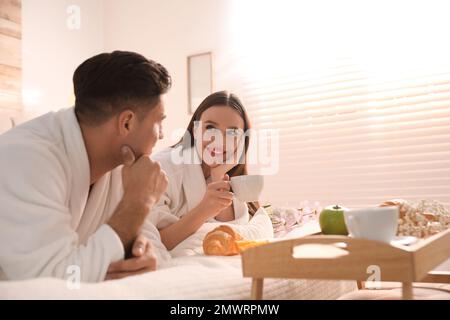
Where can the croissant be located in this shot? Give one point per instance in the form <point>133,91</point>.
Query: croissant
<point>221,242</point>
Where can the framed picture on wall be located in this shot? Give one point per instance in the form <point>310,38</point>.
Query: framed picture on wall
<point>199,70</point>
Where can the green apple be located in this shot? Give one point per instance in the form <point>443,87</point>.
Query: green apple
<point>331,220</point>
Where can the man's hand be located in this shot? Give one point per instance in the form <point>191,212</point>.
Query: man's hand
<point>144,182</point>
<point>143,179</point>
<point>143,260</point>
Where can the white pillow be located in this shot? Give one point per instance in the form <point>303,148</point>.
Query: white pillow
<point>259,227</point>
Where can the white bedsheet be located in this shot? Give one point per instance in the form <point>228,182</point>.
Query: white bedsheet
<point>259,227</point>
<point>196,277</point>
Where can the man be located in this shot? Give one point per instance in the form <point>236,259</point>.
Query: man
<point>76,185</point>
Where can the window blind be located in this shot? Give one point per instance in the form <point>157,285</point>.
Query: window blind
<point>355,137</point>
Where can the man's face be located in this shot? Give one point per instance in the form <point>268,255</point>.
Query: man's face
<point>146,132</point>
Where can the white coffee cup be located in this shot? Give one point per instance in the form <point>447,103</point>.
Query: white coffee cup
<point>378,223</point>
<point>247,188</point>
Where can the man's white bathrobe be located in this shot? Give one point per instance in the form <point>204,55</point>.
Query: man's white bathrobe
<point>49,221</point>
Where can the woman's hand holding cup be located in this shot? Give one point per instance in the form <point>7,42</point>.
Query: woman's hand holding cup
<point>217,197</point>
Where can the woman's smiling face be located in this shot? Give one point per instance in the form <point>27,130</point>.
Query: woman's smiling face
<point>221,131</point>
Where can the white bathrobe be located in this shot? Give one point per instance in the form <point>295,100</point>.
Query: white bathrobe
<point>49,222</point>
<point>186,188</point>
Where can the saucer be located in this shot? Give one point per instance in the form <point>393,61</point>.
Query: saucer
<point>404,240</point>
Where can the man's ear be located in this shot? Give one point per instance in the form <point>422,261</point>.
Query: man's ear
<point>126,122</point>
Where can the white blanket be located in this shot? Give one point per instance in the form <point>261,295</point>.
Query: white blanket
<point>189,275</point>
<point>196,277</point>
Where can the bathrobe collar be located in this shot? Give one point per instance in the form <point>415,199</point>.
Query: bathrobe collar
<point>194,183</point>
<point>89,209</point>
<point>79,163</point>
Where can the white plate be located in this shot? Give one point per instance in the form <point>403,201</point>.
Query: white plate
<point>404,240</point>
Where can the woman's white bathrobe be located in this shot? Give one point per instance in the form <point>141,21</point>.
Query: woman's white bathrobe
<point>186,189</point>
<point>48,219</point>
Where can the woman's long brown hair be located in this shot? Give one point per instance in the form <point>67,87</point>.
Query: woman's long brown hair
<point>222,99</point>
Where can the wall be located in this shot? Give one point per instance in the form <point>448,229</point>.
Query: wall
<point>165,31</point>
<point>169,31</point>
<point>10,55</point>
<point>53,47</point>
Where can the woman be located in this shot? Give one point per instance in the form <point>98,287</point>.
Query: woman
<point>199,167</point>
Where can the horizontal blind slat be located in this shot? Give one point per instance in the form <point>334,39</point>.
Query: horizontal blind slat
<point>352,136</point>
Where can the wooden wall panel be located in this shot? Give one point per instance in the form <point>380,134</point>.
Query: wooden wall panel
<point>10,54</point>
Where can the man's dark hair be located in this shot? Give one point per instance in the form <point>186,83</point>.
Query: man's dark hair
<point>110,83</point>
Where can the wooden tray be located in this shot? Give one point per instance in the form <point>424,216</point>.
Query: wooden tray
<point>344,258</point>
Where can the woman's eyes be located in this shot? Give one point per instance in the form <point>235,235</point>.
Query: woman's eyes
<point>211,128</point>
<point>229,132</point>
<point>232,132</point>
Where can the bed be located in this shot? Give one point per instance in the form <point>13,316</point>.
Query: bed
<point>193,277</point>
<point>188,275</point>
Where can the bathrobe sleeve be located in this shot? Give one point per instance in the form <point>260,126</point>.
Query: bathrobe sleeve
<point>161,215</point>
<point>151,232</point>
<point>36,237</point>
